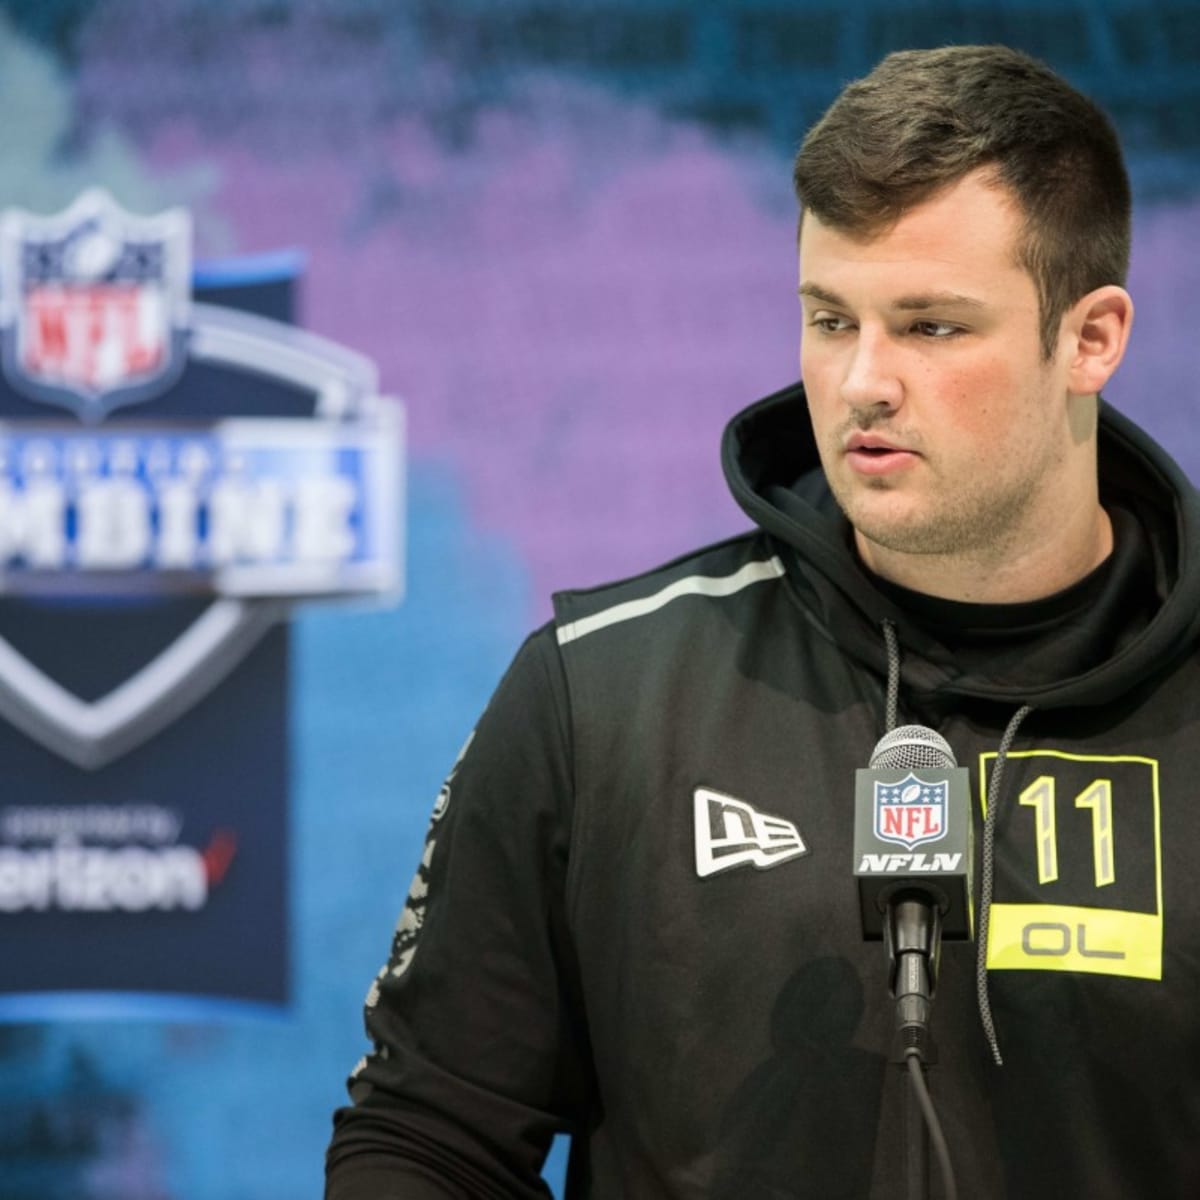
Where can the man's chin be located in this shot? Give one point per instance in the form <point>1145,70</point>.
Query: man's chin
<point>887,517</point>
<point>899,536</point>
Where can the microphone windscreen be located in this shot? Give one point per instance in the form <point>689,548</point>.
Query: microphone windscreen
<point>911,748</point>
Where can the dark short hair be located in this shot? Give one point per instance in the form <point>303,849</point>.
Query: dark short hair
<point>923,119</point>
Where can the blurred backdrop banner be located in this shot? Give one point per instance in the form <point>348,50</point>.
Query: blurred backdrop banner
<point>175,474</point>
<point>563,233</point>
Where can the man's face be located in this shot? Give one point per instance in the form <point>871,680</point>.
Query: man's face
<point>941,429</point>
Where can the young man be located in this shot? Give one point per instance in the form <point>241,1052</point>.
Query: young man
<point>952,530</point>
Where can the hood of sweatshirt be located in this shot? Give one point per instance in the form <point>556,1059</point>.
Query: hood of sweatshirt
<point>770,460</point>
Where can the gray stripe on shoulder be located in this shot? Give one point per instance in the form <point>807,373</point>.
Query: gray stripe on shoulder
<point>692,585</point>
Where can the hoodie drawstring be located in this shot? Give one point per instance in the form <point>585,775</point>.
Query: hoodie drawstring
<point>988,868</point>
<point>891,711</point>
<point>987,881</point>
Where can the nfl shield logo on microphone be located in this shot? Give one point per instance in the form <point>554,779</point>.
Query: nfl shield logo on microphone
<point>911,812</point>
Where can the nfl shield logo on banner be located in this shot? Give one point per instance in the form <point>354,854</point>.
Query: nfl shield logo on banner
<point>94,304</point>
<point>910,812</point>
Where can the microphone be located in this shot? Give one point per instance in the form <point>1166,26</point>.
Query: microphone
<point>913,861</point>
<point>913,833</point>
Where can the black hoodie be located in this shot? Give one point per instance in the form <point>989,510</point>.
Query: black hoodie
<point>636,920</point>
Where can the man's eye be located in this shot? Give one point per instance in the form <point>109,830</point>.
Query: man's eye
<point>829,324</point>
<point>935,329</point>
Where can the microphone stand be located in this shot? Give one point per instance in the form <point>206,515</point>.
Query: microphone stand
<point>913,935</point>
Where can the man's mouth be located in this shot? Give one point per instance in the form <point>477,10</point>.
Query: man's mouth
<point>873,455</point>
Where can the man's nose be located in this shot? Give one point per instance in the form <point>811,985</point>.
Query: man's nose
<point>872,380</point>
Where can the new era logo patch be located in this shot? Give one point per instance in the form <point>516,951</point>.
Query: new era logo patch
<point>729,833</point>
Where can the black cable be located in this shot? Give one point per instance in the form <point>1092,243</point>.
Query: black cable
<point>916,1075</point>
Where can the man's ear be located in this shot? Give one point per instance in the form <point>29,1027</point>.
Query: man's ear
<point>1098,326</point>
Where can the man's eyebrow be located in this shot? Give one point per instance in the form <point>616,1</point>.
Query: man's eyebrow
<point>816,292</point>
<point>918,302</point>
<point>936,300</point>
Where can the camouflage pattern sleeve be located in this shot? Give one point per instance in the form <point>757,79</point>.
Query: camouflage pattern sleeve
<point>477,1057</point>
